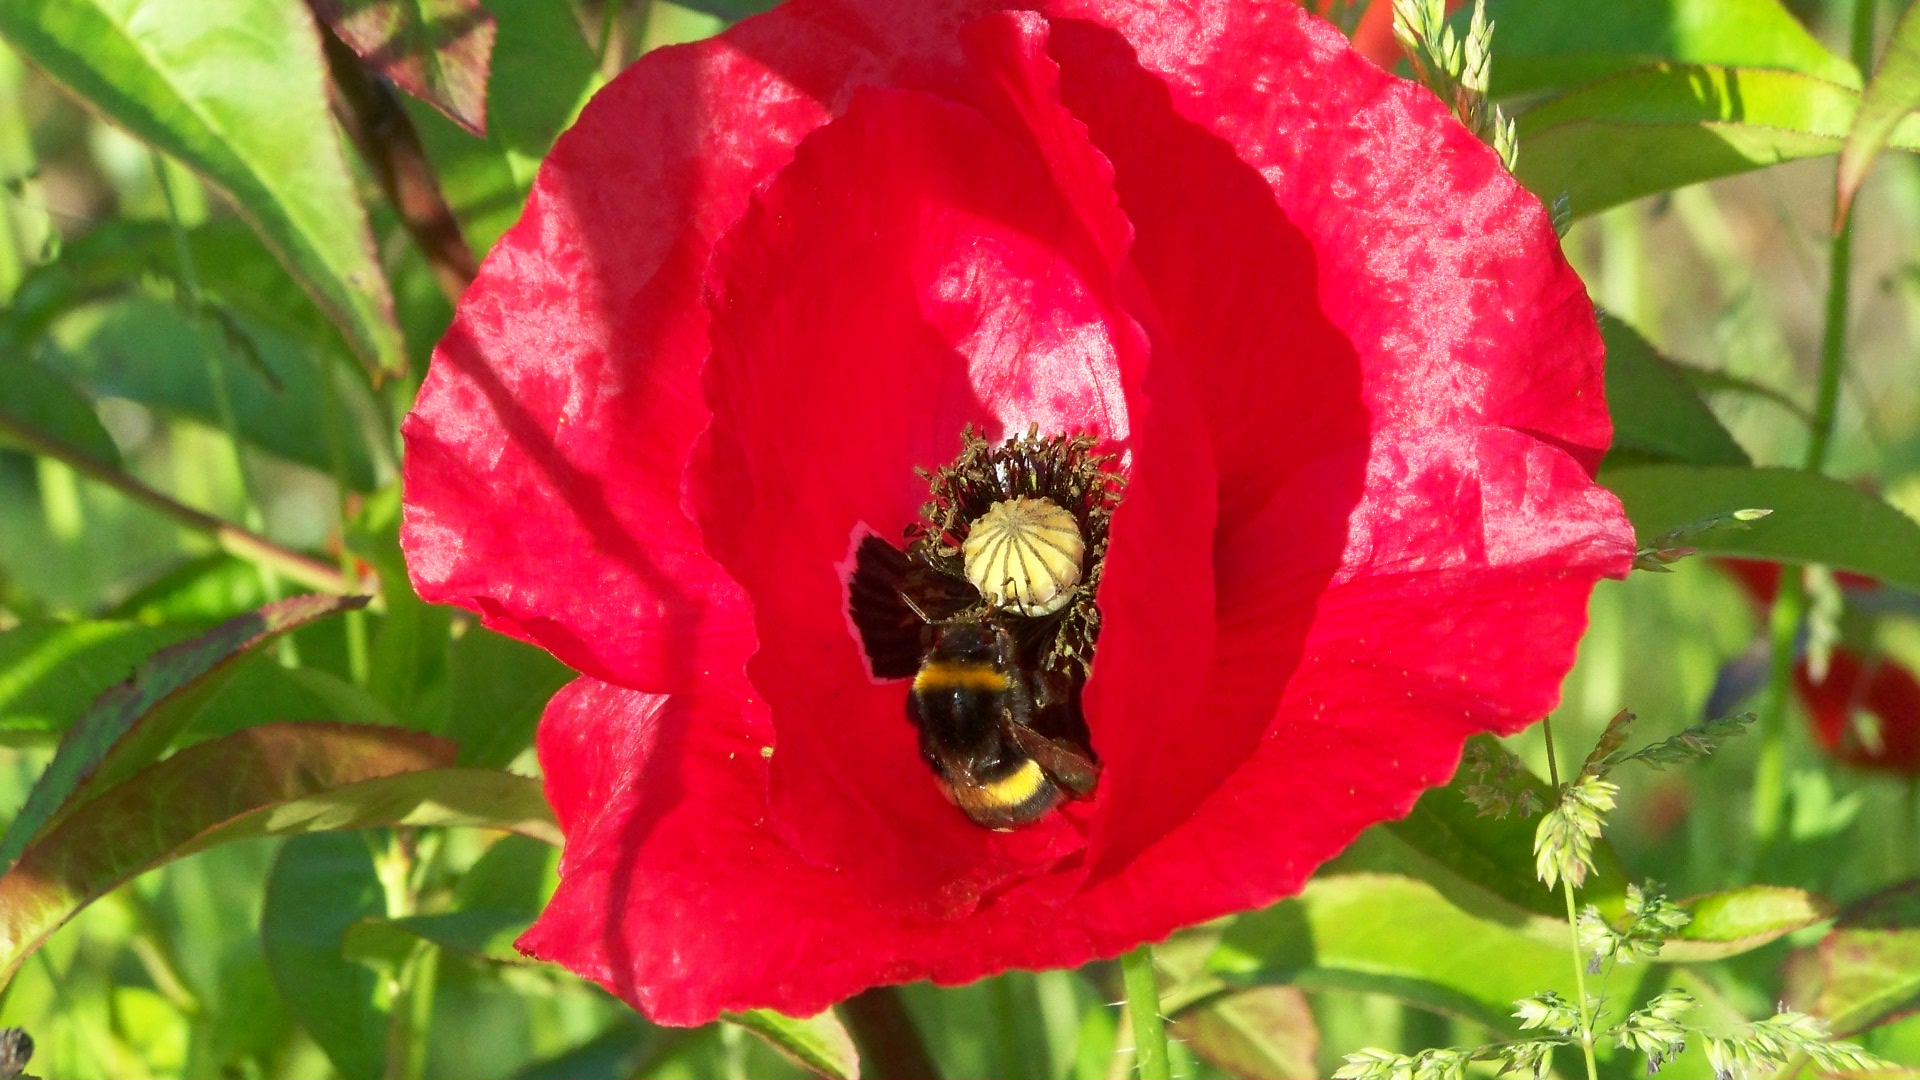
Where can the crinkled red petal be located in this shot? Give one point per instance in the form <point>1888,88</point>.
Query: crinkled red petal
<point>546,449</point>
<point>912,273</point>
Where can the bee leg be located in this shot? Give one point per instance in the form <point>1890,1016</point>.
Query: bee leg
<point>1066,766</point>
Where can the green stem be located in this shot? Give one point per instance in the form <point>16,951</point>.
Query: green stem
<point>358,666</point>
<point>1770,772</point>
<point>1790,600</point>
<point>1143,1003</point>
<point>401,868</point>
<point>1573,927</point>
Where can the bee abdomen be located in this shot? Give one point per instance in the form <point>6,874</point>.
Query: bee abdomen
<point>946,675</point>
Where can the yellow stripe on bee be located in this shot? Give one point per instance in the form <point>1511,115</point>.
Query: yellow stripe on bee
<point>1017,786</point>
<point>946,675</point>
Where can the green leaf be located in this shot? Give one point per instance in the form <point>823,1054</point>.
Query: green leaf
<point>1543,44</point>
<point>38,399</point>
<point>1664,127</point>
<point>817,1043</point>
<point>499,689</point>
<point>131,724</point>
<point>488,935</point>
<point>1815,519</point>
<point>1655,412</point>
<point>1870,961</point>
<point>730,10</point>
<point>1893,93</point>
<point>321,885</point>
<point>495,901</point>
<point>1387,934</point>
<point>150,351</point>
<point>1740,920</point>
<point>236,91</point>
<point>543,73</point>
<point>625,1049</point>
<point>211,587</point>
<point>51,672</point>
<point>1483,864</point>
<point>226,789</point>
<point>1264,1031</point>
<point>436,50</point>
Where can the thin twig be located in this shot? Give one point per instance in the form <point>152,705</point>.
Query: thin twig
<point>380,128</point>
<point>233,539</point>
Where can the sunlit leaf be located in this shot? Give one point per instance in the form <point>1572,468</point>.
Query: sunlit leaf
<point>1664,127</point>
<point>1739,920</point>
<point>818,1043</point>
<point>1548,44</point>
<point>217,791</point>
<point>1386,934</point>
<point>45,403</point>
<point>210,587</point>
<point>1893,93</point>
<point>153,352</point>
<point>1815,519</point>
<point>1655,412</point>
<point>1870,961</point>
<point>51,672</point>
<point>237,91</point>
<point>1263,1031</point>
<point>131,724</point>
<point>436,50</point>
<point>1481,863</point>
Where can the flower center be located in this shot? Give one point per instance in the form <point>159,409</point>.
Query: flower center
<point>1025,553</point>
<point>989,609</point>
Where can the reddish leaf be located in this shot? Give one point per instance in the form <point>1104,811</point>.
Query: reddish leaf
<point>271,780</point>
<point>1870,963</point>
<point>132,723</point>
<point>437,50</point>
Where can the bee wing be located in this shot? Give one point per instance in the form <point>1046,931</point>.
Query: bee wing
<point>1066,766</point>
<point>890,630</point>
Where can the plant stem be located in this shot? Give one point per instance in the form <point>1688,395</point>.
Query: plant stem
<point>358,666</point>
<point>1573,926</point>
<point>1143,1002</point>
<point>890,1043</point>
<point>384,134</point>
<point>1770,772</point>
<point>234,540</point>
<point>1789,601</point>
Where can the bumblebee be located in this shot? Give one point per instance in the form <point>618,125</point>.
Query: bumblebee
<point>989,612</point>
<point>975,708</point>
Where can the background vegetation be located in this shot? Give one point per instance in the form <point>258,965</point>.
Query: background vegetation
<point>201,373</point>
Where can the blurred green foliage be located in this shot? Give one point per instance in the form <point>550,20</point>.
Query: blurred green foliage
<point>212,343</point>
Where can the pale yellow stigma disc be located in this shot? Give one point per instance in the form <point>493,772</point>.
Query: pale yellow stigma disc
<point>1025,554</point>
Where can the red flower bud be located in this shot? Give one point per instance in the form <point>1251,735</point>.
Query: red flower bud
<point>1352,385</point>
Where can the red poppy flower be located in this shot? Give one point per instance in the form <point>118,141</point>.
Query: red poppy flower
<point>1352,385</point>
<point>1879,688</point>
